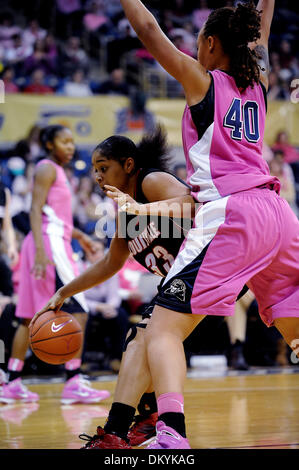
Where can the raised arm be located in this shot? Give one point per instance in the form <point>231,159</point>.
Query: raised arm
<point>261,46</point>
<point>185,69</point>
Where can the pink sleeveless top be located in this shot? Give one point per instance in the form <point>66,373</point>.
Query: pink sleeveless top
<point>223,138</point>
<point>57,218</point>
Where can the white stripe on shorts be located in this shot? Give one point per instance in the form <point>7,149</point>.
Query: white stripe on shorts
<point>63,265</point>
<point>207,221</point>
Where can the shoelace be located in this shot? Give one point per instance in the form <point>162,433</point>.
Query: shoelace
<point>90,439</point>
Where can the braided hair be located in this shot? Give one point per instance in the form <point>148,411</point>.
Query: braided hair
<point>151,152</point>
<point>235,28</point>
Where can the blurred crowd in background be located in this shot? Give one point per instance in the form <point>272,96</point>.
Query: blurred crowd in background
<point>83,47</point>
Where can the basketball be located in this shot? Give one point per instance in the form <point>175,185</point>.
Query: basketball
<point>55,338</point>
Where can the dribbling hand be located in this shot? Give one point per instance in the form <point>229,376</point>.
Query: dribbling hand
<point>55,304</point>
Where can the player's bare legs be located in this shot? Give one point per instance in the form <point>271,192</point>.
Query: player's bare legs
<point>20,342</point>
<point>82,319</point>
<point>166,332</point>
<point>134,377</point>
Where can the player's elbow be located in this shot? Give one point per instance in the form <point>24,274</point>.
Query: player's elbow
<point>147,31</point>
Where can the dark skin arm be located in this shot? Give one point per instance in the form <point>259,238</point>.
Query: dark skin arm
<point>188,71</point>
<point>94,275</point>
<point>261,45</point>
<point>44,178</point>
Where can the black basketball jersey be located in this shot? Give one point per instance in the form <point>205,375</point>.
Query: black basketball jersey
<point>154,241</point>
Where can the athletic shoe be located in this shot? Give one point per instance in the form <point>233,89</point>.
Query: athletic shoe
<point>143,429</point>
<point>78,390</point>
<point>168,438</point>
<point>102,440</point>
<point>16,390</point>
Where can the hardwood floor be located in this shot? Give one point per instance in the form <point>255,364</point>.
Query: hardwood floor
<point>247,411</point>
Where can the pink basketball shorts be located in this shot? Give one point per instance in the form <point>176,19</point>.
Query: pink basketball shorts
<point>251,238</point>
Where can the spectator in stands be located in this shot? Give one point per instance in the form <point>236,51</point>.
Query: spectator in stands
<point>90,205</point>
<point>17,53</point>
<point>77,85</point>
<point>51,47</point>
<point>95,18</point>
<point>129,280</point>
<point>8,29</point>
<point>40,59</point>
<point>73,57</point>
<point>8,76</point>
<point>136,117</point>
<point>33,33</point>
<point>104,301</point>
<point>37,84</point>
<point>188,37</point>
<point>96,24</point>
<point>69,15</point>
<point>125,42</point>
<point>200,15</point>
<point>115,85</point>
<point>283,171</point>
<point>275,91</point>
<point>282,143</point>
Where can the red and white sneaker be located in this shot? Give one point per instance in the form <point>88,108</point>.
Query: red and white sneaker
<point>102,440</point>
<point>168,438</point>
<point>143,429</point>
<point>78,390</point>
<point>16,390</point>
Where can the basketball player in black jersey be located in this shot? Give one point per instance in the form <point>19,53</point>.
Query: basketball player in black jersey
<point>137,174</point>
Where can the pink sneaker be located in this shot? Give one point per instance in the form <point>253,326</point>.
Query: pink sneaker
<point>78,390</point>
<point>168,438</point>
<point>16,390</point>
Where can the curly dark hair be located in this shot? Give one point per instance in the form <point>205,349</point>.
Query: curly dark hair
<point>236,28</point>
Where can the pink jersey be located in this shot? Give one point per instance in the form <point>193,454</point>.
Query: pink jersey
<point>57,216</point>
<point>223,138</point>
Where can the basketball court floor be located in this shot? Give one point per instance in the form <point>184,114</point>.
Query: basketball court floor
<point>258,409</point>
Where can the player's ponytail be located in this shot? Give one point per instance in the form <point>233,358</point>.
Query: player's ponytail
<point>153,151</point>
<point>236,28</point>
<point>150,152</point>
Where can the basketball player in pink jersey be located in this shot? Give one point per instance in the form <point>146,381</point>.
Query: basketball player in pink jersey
<point>242,214</point>
<point>47,263</point>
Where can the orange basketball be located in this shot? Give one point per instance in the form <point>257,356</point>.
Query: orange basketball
<point>55,338</point>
